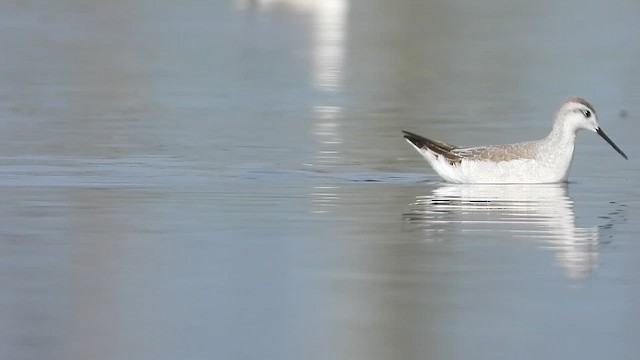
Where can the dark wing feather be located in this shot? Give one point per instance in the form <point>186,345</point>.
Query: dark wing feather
<point>437,147</point>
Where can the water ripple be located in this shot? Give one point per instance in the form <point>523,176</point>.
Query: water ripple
<point>541,212</point>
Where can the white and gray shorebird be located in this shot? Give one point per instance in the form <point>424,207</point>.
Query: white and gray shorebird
<point>541,161</point>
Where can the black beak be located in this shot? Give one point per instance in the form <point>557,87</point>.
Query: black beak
<point>606,138</point>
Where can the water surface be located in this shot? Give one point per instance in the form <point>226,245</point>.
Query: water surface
<point>228,180</point>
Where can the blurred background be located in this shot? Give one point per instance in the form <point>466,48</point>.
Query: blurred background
<point>228,180</point>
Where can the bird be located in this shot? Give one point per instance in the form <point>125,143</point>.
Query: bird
<point>546,160</point>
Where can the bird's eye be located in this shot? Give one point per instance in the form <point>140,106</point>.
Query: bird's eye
<point>586,113</point>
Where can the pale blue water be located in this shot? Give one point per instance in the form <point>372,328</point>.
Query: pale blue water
<point>228,180</point>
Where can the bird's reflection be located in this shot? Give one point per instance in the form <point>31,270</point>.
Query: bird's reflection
<point>541,212</point>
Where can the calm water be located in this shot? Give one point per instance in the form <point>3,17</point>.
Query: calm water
<point>227,180</point>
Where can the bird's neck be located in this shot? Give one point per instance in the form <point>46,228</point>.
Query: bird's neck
<point>558,149</point>
<point>562,135</point>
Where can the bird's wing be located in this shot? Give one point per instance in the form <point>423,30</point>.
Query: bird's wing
<point>440,148</point>
<point>525,150</point>
<point>454,154</point>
